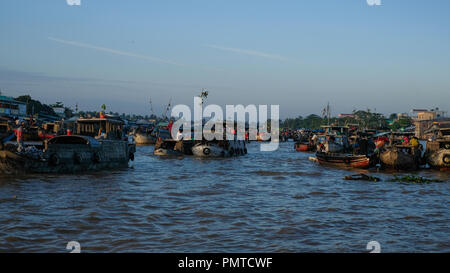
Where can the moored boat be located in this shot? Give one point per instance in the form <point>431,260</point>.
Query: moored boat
<point>72,153</point>
<point>166,147</point>
<point>437,152</point>
<point>222,148</point>
<point>401,157</point>
<point>143,138</point>
<point>303,147</point>
<point>343,160</point>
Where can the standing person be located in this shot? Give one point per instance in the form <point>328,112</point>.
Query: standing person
<point>179,134</point>
<point>19,136</point>
<point>314,139</point>
<point>169,127</point>
<point>414,141</point>
<point>364,145</point>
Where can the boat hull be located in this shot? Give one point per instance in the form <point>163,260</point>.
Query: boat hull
<point>303,147</point>
<point>144,139</point>
<point>66,158</point>
<point>234,148</point>
<point>166,152</point>
<point>396,159</point>
<point>439,159</point>
<point>343,160</point>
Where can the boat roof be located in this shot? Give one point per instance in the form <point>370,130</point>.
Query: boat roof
<point>74,139</point>
<point>96,120</point>
<point>334,126</point>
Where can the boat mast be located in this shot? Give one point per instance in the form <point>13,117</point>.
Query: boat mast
<point>151,108</point>
<point>328,113</point>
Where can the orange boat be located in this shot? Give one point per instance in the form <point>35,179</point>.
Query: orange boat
<point>343,160</point>
<point>303,147</point>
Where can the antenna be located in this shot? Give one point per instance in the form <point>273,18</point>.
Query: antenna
<point>204,95</point>
<point>151,107</point>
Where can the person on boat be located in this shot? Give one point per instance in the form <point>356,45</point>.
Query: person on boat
<point>179,134</point>
<point>158,143</point>
<point>101,134</point>
<point>330,141</point>
<point>414,142</point>
<point>169,127</point>
<point>19,136</point>
<point>356,146</point>
<point>363,144</point>
<point>405,140</point>
<point>314,139</point>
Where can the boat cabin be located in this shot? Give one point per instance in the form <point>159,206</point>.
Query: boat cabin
<point>107,128</point>
<point>335,130</point>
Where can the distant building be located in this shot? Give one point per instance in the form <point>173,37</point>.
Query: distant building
<point>425,119</point>
<point>11,107</point>
<point>60,111</point>
<point>426,115</point>
<point>346,115</point>
<point>402,115</point>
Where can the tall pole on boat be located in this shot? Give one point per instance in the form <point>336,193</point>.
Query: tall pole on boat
<point>151,108</point>
<point>328,113</point>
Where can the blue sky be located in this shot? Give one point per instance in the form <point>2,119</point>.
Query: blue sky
<point>298,54</point>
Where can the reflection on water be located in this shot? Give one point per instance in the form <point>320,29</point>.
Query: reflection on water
<point>262,202</point>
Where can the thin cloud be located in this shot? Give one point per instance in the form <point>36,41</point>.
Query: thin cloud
<point>114,51</point>
<point>249,52</point>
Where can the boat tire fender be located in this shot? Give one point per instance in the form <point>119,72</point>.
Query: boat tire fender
<point>206,151</point>
<point>77,158</point>
<point>96,158</point>
<point>54,159</point>
<point>447,159</point>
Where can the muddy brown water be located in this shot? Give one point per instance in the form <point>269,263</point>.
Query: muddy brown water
<point>262,202</point>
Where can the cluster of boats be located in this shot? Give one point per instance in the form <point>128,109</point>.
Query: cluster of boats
<point>96,143</point>
<point>201,148</point>
<point>102,143</point>
<point>343,146</point>
<point>165,145</point>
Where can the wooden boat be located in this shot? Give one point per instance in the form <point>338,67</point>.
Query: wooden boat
<point>221,148</point>
<point>437,152</point>
<point>68,154</point>
<point>343,160</point>
<point>401,157</point>
<point>143,138</point>
<point>303,147</point>
<point>145,134</point>
<point>167,147</point>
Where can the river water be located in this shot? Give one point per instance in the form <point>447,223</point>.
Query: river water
<point>262,202</point>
